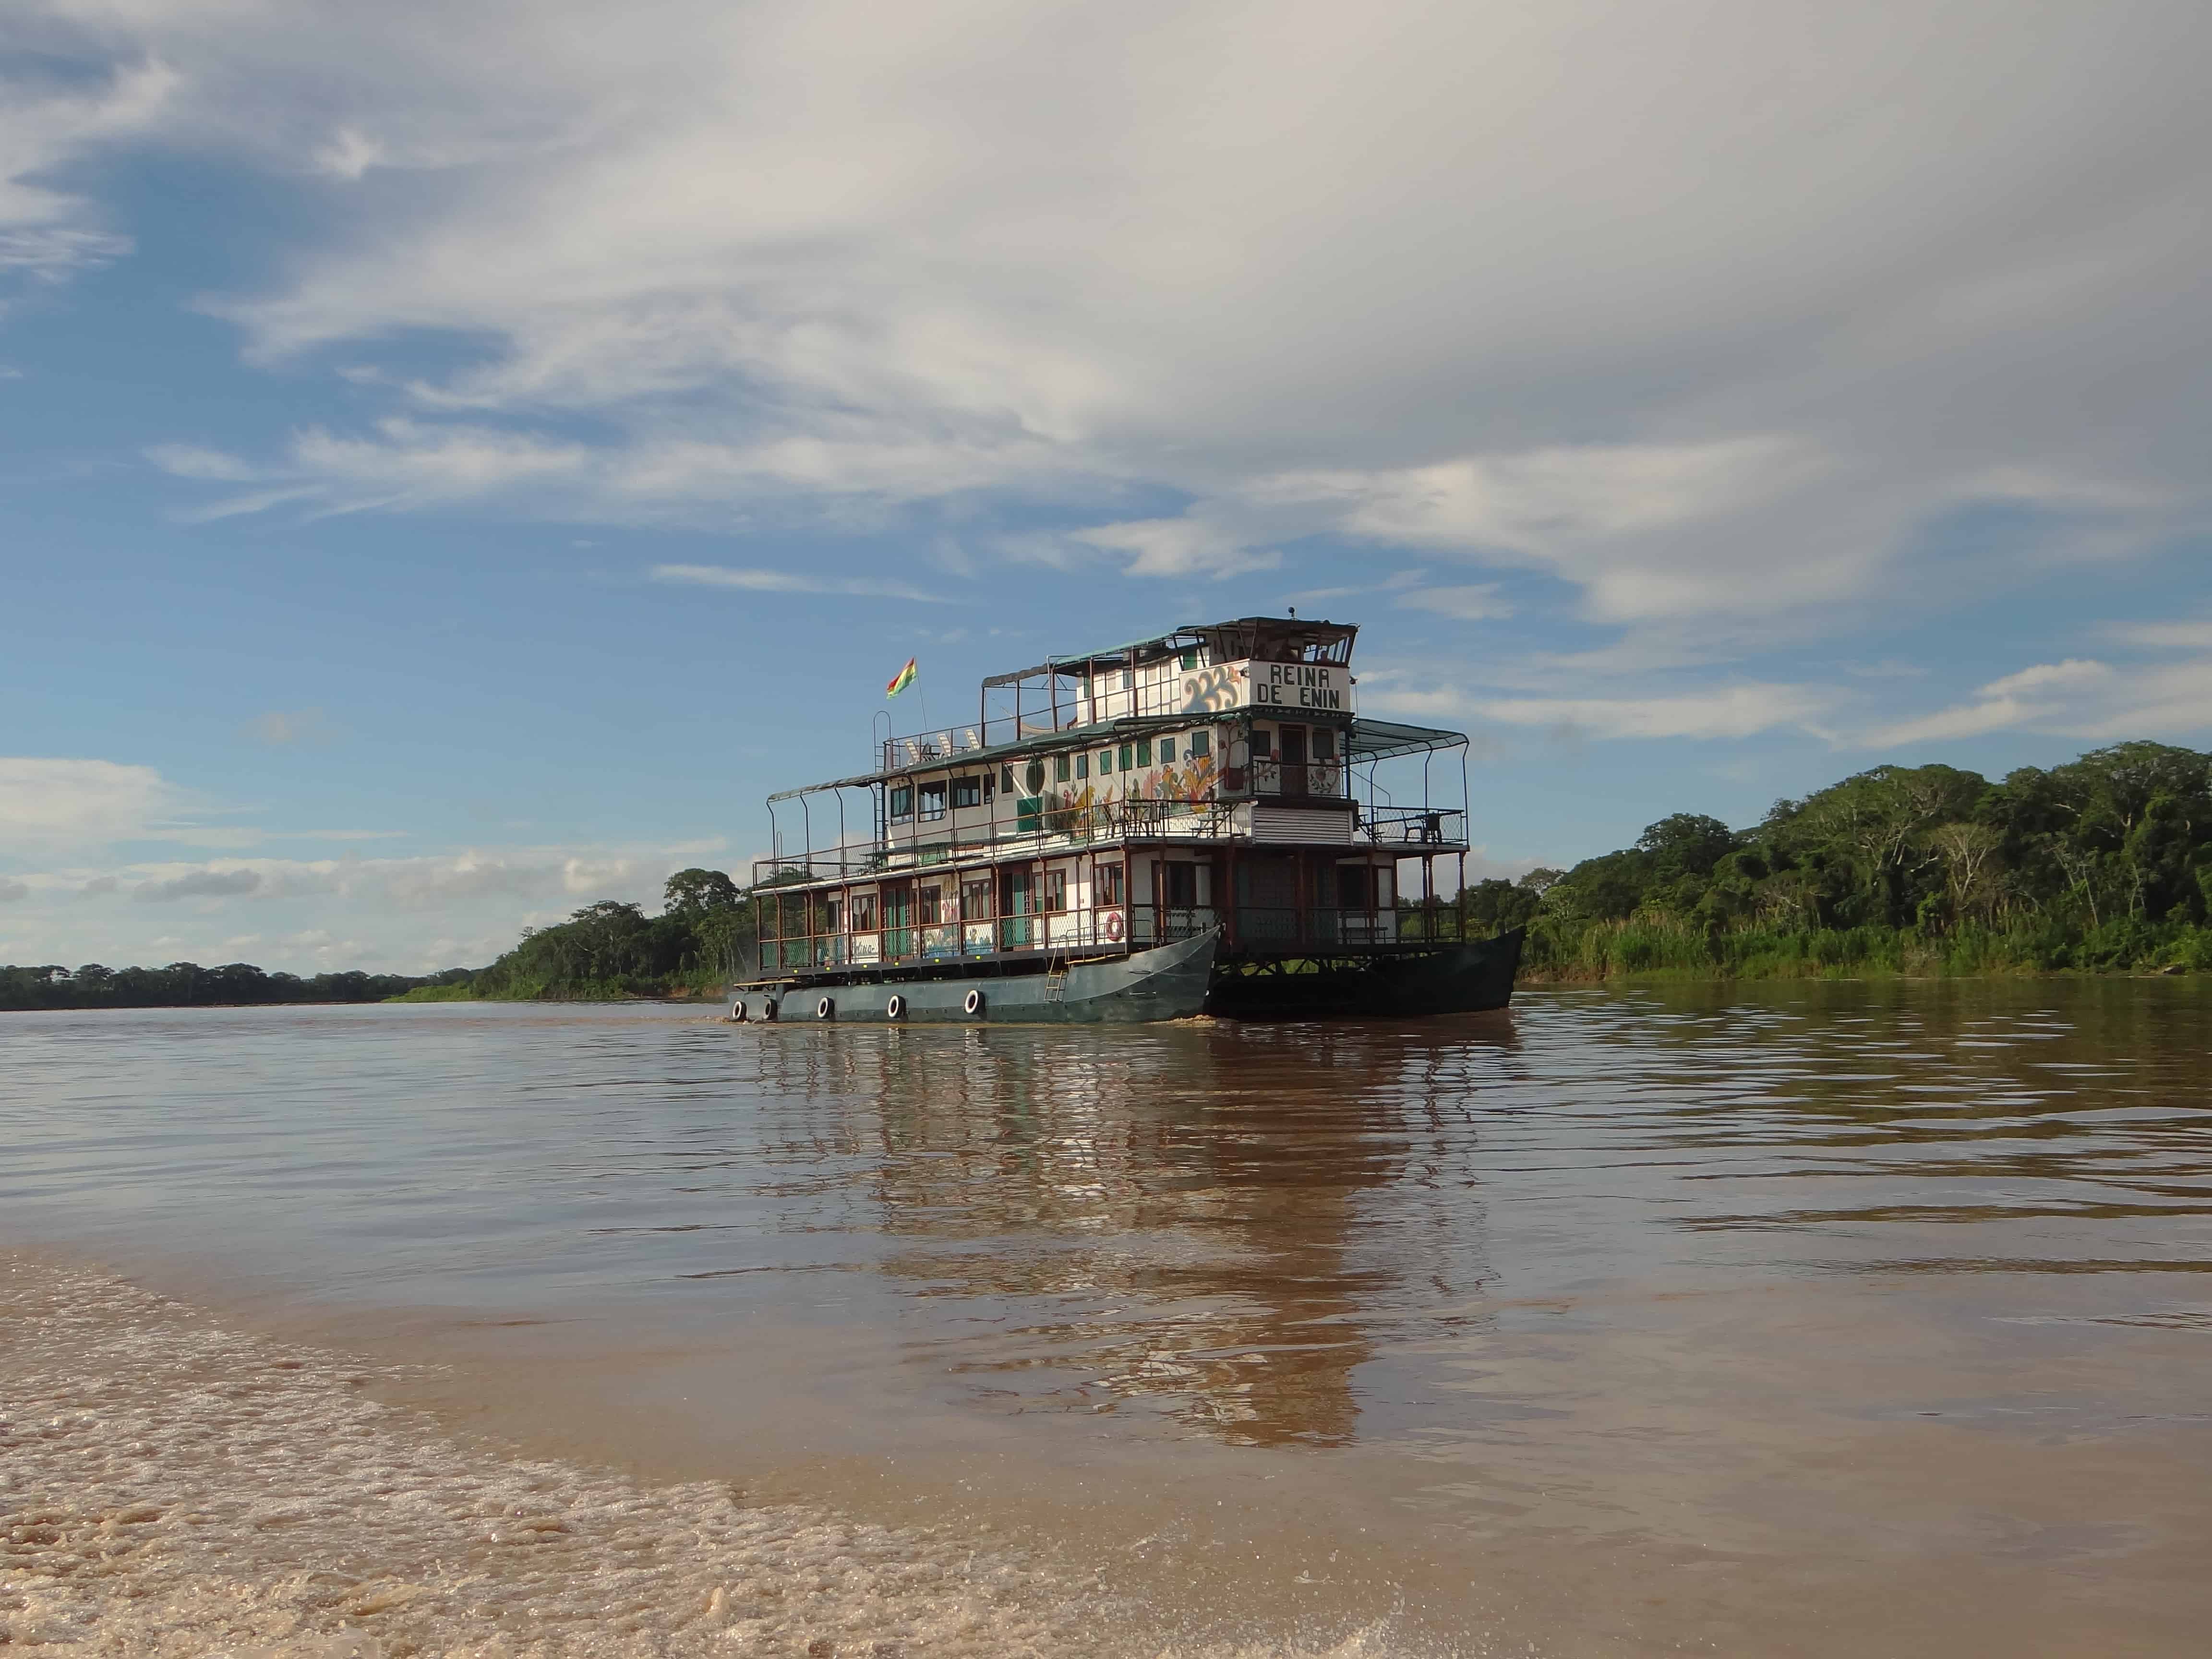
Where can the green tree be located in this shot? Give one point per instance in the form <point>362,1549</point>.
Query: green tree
<point>697,892</point>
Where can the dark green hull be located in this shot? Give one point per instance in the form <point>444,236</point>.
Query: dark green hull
<point>1169,982</point>
<point>1172,981</point>
<point>1453,979</point>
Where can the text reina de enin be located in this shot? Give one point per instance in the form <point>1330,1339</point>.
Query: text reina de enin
<point>1315,687</point>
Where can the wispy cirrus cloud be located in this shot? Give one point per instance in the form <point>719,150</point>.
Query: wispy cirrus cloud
<point>48,233</point>
<point>1726,712</point>
<point>1180,547</point>
<point>755,580</point>
<point>2081,697</point>
<point>1469,602</point>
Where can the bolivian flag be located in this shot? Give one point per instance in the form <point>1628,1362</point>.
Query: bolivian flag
<point>901,680</point>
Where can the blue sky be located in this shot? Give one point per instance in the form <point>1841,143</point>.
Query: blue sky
<point>454,460</point>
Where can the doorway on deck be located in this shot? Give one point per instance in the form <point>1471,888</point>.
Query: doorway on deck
<point>898,920</point>
<point>1017,905</point>
<point>1293,742</point>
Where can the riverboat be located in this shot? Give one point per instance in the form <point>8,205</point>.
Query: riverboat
<point>1199,822</point>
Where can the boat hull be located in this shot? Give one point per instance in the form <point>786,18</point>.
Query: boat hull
<point>1459,979</point>
<point>1167,982</point>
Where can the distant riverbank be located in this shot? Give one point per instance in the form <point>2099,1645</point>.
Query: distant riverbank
<point>1673,949</point>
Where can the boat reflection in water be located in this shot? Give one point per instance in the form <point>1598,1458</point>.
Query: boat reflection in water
<point>1189,1221</point>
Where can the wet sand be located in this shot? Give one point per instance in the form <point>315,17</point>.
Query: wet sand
<point>169,1486</point>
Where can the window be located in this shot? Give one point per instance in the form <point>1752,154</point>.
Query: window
<point>1190,661</point>
<point>928,906</point>
<point>902,803</point>
<point>1059,768</point>
<point>1106,886</point>
<point>1167,751</point>
<point>1201,744</point>
<point>1082,766</point>
<point>967,792</point>
<point>1127,756</point>
<point>1128,680</point>
<point>1144,751</point>
<point>1178,885</point>
<point>1105,762</point>
<point>988,780</point>
<point>1006,778</point>
<point>1263,745</point>
<point>1324,743</point>
<point>864,913</point>
<point>1056,889</point>
<point>1355,886</point>
<point>833,915</point>
<point>975,900</point>
<point>932,801</point>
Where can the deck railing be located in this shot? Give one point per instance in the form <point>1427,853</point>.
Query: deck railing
<point>1057,834</point>
<point>1250,929</point>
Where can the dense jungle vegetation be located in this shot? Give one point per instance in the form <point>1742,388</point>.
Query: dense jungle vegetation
<point>188,984</point>
<point>2104,864</point>
<point>609,950</point>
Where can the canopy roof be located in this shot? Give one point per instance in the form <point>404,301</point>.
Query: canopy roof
<point>1270,639</point>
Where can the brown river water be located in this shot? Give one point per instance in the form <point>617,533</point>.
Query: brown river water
<point>1832,1319</point>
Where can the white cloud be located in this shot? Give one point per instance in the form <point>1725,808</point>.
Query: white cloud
<point>53,802</point>
<point>2078,697</point>
<point>46,232</point>
<point>280,727</point>
<point>2074,672</point>
<point>756,581</point>
<point>1179,547</point>
<point>2193,635</point>
<point>195,461</point>
<point>1476,602</point>
<point>12,892</point>
<point>1735,711</point>
<point>409,464</point>
<point>349,154</point>
<point>210,883</point>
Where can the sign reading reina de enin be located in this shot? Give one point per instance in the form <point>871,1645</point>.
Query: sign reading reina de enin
<point>1324,687</point>
<point>1299,685</point>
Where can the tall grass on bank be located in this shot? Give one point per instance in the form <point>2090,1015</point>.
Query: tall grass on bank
<point>1667,946</point>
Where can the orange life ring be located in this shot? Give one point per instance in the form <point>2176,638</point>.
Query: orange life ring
<point>1113,926</point>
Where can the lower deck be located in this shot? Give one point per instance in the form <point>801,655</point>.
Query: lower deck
<point>1012,915</point>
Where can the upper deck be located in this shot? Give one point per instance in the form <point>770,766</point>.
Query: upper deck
<point>1246,730</point>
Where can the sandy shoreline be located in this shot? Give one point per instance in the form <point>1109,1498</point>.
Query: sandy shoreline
<point>171,1487</point>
